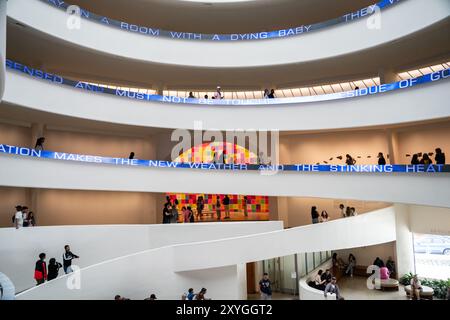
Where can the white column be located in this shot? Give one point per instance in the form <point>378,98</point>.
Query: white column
<point>387,76</point>
<point>392,140</point>
<point>404,248</point>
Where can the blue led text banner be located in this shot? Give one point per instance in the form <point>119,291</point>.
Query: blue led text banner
<point>154,32</point>
<point>63,156</point>
<point>435,76</point>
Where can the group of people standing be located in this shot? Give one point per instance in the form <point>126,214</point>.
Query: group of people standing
<point>23,217</point>
<point>171,214</point>
<point>324,217</point>
<point>43,273</point>
<point>316,218</point>
<point>439,158</point>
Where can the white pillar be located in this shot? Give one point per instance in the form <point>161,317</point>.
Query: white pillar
<point>392,141</point>
<point>404,248</point>
<point>387,76</point>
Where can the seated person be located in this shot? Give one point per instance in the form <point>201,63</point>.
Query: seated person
<point>378,262</point>
<point>326,276</point>
<point>390,264</point>
<point>384,273</point>
<point>319,283</point>
<point>416,288</point>
<point>332,287</point>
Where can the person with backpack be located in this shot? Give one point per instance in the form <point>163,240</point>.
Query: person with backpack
<point>40,270</point>
<point>53,269</point>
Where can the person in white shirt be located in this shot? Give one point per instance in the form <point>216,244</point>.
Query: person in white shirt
<point>353,212</point>
<point>18,217</point>
<point>218,94</point>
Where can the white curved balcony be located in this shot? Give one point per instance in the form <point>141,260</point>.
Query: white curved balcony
<point>214,264</point>
<point>96,244</point>
<point>305,48</point>
<point>32,172</point>
<point>393,107</point>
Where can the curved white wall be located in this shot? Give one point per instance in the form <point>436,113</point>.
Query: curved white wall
<point>19,249</point>
<point>134,275</point>
<point>17,171</point>
<point>399,106</point>
<point>339,40</point>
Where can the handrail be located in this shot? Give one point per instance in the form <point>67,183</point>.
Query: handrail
<point>362,169</point>
<point>283,33</point>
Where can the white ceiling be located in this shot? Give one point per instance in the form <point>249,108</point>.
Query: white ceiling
<point>222,16</point>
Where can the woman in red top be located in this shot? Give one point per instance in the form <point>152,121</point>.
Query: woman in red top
<point>40,270</point>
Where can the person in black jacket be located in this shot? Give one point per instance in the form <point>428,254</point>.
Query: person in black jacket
<point>226,206</point>
<point>53,269</point>
<point>39,143</point>
<point>314,214</point>
<point>68,256</point>
<point>415,159</point>
<point>381,159</point>
<point>440,156</point>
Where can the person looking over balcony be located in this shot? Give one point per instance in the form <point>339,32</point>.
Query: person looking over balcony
<point>272,94</point>
<point>426,159</point>
<point>39,143</point>
<point>31,220</point>
<point>353,212</point>
<point>342,208</point>
<point>415,159</point>
<point>218,94</point>
<point>324,216</point>
<point>226,206</point>
<point>131,156</point>
<point>266,94</point>
<point>191,215</point>
<point>167,211</point>
<point>314,215</point>
<point>206,97</point>
<point>18,217</point>
<point>191,95</point>
<point>440,156</point>
<point>244,204</point>
<point>381,159</point>
<point>200,206</point>
<point>218,208</point>
<point>174,212</point>
<point>349,160</point>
